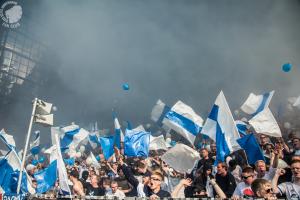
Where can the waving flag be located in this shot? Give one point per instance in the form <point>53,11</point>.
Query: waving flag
<point>136,143</point>
<point>257,103</point>
<point>9,172</point>
<point>221,128</point>
<point>119,137</point>
<point>264,122</point>
<point>94,141</point>
<point>159,111</point>
<point>72,136</point>
<point>46,178</point>
<point>7,139</point>
<point>35,144</point>
<point>42,113</point>
<point>182,119</point>
<point>242,127</point>
<point>252,148</point>
<point>107,144</point>
<point>157,143</point>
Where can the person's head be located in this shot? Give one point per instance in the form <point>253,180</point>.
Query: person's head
<point>114,166</point>
<point>296,143</point>
<point>263,139</point>
<point>106,184</point>
<point>199,191</point>
<point>114,186</point>
<point>262,188</point>
<point>248,175</point>
<point>269,147</point>
<point>222,168</point>
<point>213,148</point>
<point>232,164</point>
<point>207,169</point>
<point>94,179</point>
<point>203,153</point>
<point>295,167</point>
<point>295,157</point>
<point>31,169</point>
<point>74,175</point>
<point>260,166</point>
<point>141,167</point>
<point>85,175</point>
<point>156,180</point>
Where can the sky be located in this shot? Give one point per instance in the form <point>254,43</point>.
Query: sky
<point>166,49</point>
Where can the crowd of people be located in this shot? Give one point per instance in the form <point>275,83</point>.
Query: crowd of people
<point>120,176</point>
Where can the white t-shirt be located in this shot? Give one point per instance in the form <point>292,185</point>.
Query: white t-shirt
<point>242,189</point>
<point>118,194</point>
<point>269,174</point>
<point>291,190</point>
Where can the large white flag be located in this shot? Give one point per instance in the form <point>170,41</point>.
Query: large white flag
<point>157,143</point>
<point>183,119</point>
<point>264,122</point>
<point>257,103</point>
<point>181,157</point>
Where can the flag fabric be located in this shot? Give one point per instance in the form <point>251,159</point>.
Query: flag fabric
<point>297,102</point>
<point>159,111</point>
<point>95,163</point>
<point>181,157</point>
<point>257,103</point>
<point>35,144</point>
<point>129,126</point>
<point>182,119</point>
<point>8,140</point>
<point>221,128</point>
<point>10,167</point>
<point>157,143</point>
<point>42,113</point>
<point>62,172</point>
<point>46,178</point>
<point>93,140</point>
<point>44,119</point>
<point>107,145</point>
<point>119,137</point>
<point>264,122</point>
<point>136,143</point>
<point>72,136</point>
<point>252,148</point>
<point>242,127</point>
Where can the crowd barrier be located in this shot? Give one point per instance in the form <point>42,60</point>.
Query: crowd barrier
<point>70,197</point>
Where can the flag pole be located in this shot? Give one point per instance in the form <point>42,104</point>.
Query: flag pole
<point>26,145</point>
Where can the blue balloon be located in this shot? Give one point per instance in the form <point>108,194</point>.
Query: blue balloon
<point>42,159</point>
<point>98,158</point>
<point>125,86</point>
<point>35,162</point>
<point>286,67</point>
<point>173,143</point>
<point>35,150</point>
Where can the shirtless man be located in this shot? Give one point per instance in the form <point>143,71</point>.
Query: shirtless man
<point>77,185</point>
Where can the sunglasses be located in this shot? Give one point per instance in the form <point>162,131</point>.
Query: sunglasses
<point>155,179</point>
<point>268,191</point>
<point>245,177</point>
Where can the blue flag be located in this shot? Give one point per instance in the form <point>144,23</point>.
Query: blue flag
<point>251,147</point>
<point>107,144</point>
<point>136,143</point>
<point>46,178</point>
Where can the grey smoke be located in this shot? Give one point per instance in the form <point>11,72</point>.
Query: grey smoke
<point>167,49</point>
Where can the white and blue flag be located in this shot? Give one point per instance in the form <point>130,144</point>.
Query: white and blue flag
<point>242,127</point>
<point>182,119</point>
<point>46,178</point>
<point>72,135</point>
<point>35,144</point>
<point>9,173</point>
<point>159,111</point>
<point>257,103</point>
<point>119,137</point>
<point>7,139</point>
<point>221,128</point>
<point>94,140</point>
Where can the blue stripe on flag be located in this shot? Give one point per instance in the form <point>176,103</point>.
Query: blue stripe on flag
<point>186,123</point>
<point>261,107</point>
<point>163,114</point>
<point>68,138</point>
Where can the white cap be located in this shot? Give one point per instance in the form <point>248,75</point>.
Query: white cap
<point>30,167</point>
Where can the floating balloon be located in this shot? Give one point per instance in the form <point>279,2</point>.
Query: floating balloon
<point>286,67</point>
<point>125,86</point>
<point>42,159</point>
<point>82,149</point>
<point>173,143</point>
<point>34,162</point>
<point>287,125</point>
<point>35,150</point>
<point>98,158</point>
<point>54,108</point>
